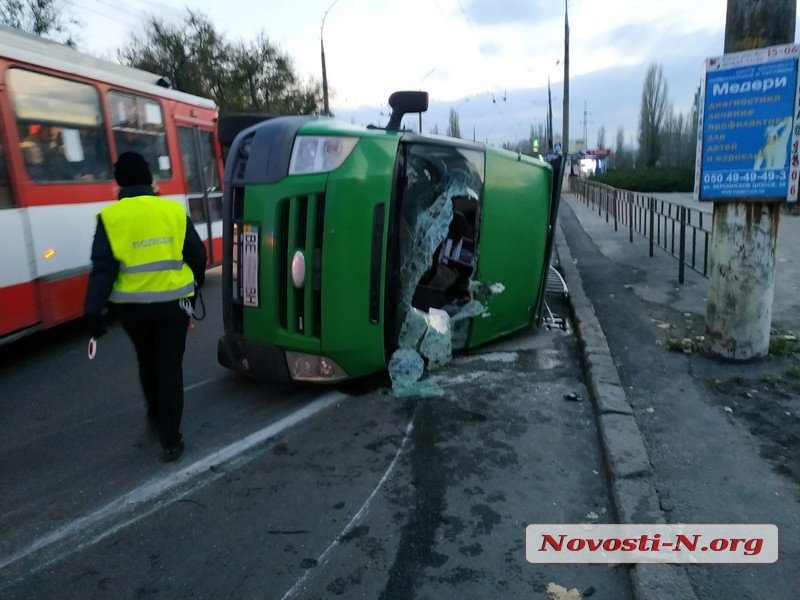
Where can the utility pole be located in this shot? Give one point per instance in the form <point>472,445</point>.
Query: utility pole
<point>565,121</point>
<point>585,126</point>
<point>326,109</point>
<point>742,255</point>
<point>549,127</point>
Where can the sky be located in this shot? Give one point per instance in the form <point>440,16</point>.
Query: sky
<point>490,60</point>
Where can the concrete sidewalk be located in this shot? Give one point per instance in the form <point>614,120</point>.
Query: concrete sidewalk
<point>786,306</point>
<point>686,438</point>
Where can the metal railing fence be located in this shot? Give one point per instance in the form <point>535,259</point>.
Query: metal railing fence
<point>683,232</point>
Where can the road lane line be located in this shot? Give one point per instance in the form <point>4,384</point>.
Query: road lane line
<point>202,383</point>
<point>150,490</point>
<point>323,558</point>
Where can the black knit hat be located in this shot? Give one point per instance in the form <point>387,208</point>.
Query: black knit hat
<point>131,168</point>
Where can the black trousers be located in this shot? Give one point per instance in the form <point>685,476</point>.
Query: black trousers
<point>158,331</point>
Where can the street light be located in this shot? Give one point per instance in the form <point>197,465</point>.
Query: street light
<point>565,116</point>
<point>325,106</point>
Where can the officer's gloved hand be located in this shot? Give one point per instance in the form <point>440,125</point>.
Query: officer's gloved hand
<point>96,325</point>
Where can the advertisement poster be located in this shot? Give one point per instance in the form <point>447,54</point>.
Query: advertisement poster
<point>748,129</point>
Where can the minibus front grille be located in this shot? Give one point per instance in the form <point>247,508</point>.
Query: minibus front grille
<point>299,227</point>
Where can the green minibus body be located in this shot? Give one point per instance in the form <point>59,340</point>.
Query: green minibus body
<point>348,249</point>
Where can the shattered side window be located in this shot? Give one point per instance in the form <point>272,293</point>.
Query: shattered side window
<point>440,210</point>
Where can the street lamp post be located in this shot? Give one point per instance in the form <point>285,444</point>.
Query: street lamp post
<point>565,118</point>
<point>326,109</point>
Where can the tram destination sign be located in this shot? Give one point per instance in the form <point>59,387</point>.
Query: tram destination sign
<point>748,132</point>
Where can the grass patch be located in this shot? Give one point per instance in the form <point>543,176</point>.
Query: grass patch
<point>685,345</point>
<point>784,345</point>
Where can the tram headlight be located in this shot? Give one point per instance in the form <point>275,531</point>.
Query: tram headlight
<point>319,154</point>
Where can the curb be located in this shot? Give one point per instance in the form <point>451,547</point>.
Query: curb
<point>628,468</point>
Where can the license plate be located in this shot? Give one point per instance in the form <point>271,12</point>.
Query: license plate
<point>249,272</point>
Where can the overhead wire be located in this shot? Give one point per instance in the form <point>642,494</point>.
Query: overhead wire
<point>116,12</point>
<point>115,15</point>
<point>159,7</point>
<point>503,107</point>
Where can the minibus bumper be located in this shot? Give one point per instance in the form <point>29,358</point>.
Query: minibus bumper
<point>259,361</point>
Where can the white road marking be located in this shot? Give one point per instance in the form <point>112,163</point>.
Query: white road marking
<point>202,383</point>
<point>323,558</point>
<point>121,512</point>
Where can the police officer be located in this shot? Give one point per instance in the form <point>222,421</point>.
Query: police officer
<point>148,262</point>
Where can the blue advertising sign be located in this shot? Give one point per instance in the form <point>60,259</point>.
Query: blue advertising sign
<point>747,133</point>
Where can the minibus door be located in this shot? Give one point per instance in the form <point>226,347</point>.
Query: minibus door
<point>203,190</point>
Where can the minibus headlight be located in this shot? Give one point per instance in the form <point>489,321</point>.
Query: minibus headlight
<point>244,149</point>
<point>319,154</point>
<point>311,367</point>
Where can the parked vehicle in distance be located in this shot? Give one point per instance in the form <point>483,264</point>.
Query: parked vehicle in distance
<point>347,249</point>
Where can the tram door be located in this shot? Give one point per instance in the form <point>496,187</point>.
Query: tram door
<point>203,189</point>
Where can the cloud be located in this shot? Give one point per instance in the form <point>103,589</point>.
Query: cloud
<point>610,96</point>
<point>510,12</point>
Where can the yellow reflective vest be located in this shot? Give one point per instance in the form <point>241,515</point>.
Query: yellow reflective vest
<point>146,234</point>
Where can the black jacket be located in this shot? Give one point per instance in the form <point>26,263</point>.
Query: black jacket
<point>105,267</point>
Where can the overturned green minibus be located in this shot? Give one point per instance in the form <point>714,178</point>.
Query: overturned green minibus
<point>348,250</point>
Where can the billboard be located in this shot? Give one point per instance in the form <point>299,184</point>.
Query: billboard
<point>748,130</point>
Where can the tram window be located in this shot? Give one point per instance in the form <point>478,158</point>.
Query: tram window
<point>211,175</point>
<point>138,126</point>
<point>192,174</point>
<point>60,128</point>
<point>202,180</point>
<point>194,183</point>
<point>209,160</point>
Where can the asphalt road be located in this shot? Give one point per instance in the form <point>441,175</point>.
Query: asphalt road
<point>290,491</point>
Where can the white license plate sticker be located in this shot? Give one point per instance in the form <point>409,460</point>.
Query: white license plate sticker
<point>250,265</point>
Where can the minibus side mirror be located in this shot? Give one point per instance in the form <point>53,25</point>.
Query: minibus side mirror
<point>403,103</point>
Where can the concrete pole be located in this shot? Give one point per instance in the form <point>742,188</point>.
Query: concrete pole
<point>565,118</point>
<point>326,109</point>
<point>742,254</point>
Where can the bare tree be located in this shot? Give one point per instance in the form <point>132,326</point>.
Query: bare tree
<point>263,79</point>
<point>453,128</point>
<point>679,140</point>
<point>601,137</point>
<point>45,18</point>
<point>654,111</point>
<point>622,157</point>
<point>197,59</point>
<point>191,54</point>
